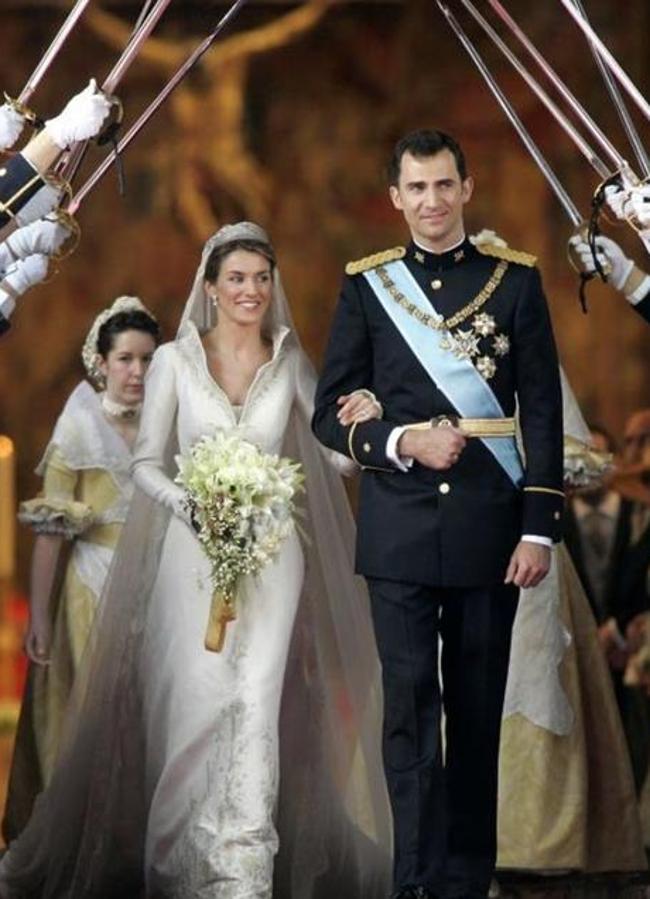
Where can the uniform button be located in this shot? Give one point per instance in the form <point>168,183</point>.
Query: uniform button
<point>557,516</point>
<point>3,172</point>
<point>444,487</point>
<point>436,283</point>
<point>366,447</point>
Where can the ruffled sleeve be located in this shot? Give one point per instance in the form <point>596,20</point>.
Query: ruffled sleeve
<point>57,511</point>
<point>584,466</point>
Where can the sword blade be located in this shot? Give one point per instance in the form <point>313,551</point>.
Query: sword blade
<point>587,151</point>
<point>608,58</point>
<point>619,105</point>
<point>565,200</point>
<point>71,163</point>
<point>570,98</point>
<point>50,54</point>
<point>136,40</point>
<point>153,107</point>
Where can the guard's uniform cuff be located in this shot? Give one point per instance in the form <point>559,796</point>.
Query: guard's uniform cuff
<point>543,511</point>
<point>368,442</point>
<point>640,292</point>
<point>19,181</point>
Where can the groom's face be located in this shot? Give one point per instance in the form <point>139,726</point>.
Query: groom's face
<point>431,196</point>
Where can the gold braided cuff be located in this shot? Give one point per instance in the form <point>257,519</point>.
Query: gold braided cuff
<point>544,490</point>
<point>353,428</point>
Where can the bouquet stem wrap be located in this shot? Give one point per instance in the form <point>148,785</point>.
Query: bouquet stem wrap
<point>222,611</point>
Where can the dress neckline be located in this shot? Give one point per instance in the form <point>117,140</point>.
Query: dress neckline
<point>278,339</point>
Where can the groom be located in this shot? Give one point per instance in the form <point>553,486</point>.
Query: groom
<point>448,336</point>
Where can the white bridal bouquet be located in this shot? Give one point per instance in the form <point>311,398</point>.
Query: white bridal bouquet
<point>242,503</point>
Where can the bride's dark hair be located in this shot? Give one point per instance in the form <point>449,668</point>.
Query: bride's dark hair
<point>219,253</point>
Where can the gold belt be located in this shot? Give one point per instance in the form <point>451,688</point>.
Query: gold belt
<point>470,427</point>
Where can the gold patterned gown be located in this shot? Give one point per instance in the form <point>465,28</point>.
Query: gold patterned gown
<point>566,791</point>
<point>85,496</point>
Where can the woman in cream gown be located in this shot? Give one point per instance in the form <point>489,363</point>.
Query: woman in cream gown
<point>85,497</point>
<point>566,792</point>
<point>170,774</point>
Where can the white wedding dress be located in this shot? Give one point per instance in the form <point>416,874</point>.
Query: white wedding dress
<point>212,718</point>
<point>169,776</point>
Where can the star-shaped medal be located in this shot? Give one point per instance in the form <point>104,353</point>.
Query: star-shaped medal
<point>484,324</point>
<point>501,344</point>
<point>486,367</point>
<point>464,344</point>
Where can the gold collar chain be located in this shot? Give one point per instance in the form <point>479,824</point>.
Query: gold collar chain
<point>437,322</point>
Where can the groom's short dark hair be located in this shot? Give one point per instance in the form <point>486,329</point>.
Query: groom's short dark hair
<point>422,143</point>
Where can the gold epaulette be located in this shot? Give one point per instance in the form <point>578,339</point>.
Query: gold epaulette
<point>507,253</point>
<point>362,265</point>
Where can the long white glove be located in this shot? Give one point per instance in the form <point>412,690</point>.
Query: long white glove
<point>43,236</point>
<point>18,278</point>
<point>609,255</point>
<point>11,125</point>
<point>624,274</point>
<point>44,201</point>
<point>81,118</point>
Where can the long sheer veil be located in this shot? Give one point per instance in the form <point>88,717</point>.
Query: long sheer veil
<point>86,835</point>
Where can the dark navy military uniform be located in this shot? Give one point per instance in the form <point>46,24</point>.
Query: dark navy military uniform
<point>19,181</point>
<point>643,307</point>
<point>435,545</point>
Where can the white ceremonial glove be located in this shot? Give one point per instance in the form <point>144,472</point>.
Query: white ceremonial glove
<point>11,125</point>
<point>608,253</point>
<point>637,204</point>
<point>81,118</point>
<point>44,201</point>
<point>43,236</point>
<point>615,197</point>
<point>630,202</point>
<point>18,278</point>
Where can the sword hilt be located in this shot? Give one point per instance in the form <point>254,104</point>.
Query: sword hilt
<point>26,112</point>
<point>113,121</point>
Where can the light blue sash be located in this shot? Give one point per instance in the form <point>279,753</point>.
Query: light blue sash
<point>460,382</point>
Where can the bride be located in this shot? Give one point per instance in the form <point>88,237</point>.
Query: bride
<point>169,774</point>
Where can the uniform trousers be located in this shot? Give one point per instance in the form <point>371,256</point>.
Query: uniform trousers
<point>443,793</point>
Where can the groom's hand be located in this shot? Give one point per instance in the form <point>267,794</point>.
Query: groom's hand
<point>437,448</point>
<point>529,564</point>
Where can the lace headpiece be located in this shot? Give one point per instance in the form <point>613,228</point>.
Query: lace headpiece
<point>89,354</point>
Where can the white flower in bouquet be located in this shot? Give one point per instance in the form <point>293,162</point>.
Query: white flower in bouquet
<point>242,503</point>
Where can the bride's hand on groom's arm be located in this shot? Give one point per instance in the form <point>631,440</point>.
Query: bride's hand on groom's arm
<point>361,405</point>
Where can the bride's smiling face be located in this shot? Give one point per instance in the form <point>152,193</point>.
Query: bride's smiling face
<point>243,288</point>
